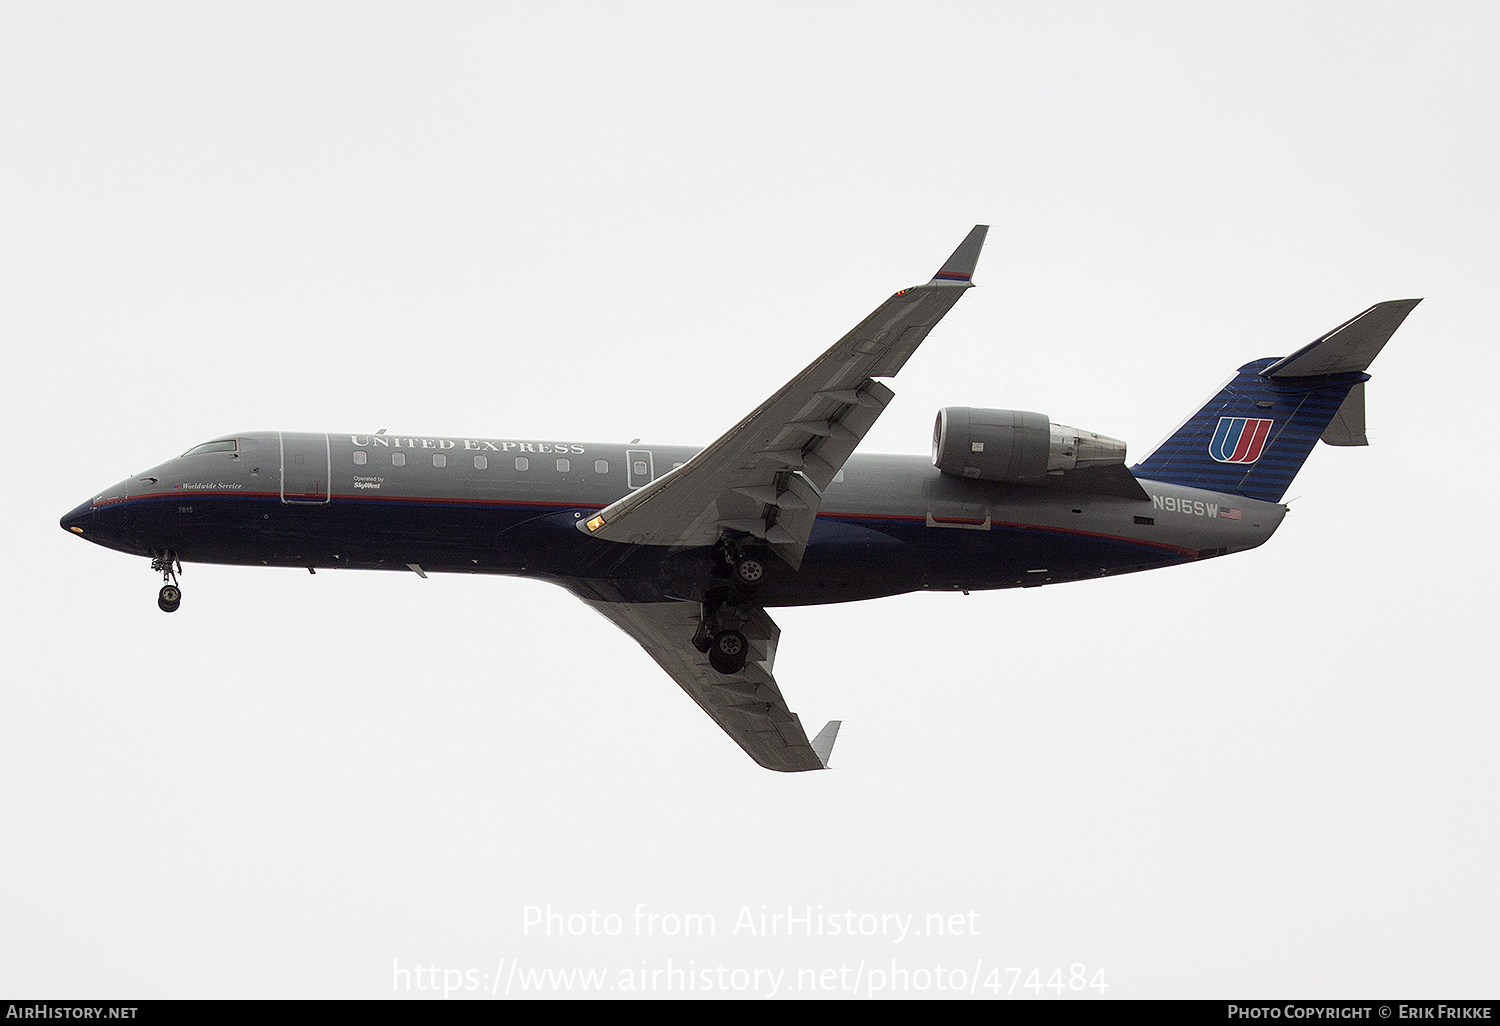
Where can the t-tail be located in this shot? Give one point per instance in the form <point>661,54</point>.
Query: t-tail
<point>1253,437</point>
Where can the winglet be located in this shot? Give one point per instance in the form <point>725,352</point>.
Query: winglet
<point>960,266</point>
<point>822,745</point>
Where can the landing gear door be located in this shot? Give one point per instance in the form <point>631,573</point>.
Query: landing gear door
<point>638,469</point>
<point>306,467</point>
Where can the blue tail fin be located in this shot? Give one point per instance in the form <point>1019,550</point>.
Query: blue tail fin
<point>1253,437</point>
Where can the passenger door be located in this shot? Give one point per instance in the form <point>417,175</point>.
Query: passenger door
<point>306,468</point>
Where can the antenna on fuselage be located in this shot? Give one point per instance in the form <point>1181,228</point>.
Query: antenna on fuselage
<point>381,431</point>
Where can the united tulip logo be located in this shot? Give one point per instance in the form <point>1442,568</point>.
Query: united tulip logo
<point>1239,439</point>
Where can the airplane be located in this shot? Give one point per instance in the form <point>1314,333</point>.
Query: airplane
<point>686,548</point>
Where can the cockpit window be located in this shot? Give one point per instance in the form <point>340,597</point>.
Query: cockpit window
<point>222,445</point>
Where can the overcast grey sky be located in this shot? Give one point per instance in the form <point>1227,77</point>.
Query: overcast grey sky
<point>1268,775</point>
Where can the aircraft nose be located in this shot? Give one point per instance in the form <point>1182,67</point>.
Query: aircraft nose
<point>77,519</point>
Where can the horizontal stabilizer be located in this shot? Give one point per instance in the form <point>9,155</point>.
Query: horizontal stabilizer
<point>1252,438</point>
<point>822,745</point>
<point>1351,347</point>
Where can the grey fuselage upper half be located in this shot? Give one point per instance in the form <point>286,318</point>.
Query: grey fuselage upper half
<point>887,524</point>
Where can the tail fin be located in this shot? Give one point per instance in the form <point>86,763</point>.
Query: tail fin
<point>1253,437</point>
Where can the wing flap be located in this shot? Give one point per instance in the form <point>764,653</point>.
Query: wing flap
<point>806,432</point>
<point>748,705</point>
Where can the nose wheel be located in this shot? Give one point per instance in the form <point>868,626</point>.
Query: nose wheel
<point>169,566</point>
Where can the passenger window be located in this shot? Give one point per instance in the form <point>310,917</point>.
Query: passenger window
<point>439,460</point>
<point>398,459</point>
<point>481,462</point>
<point>522,463</point>
<point>563,466</point>
<point>360,456</point>
<point>638,468</point>
<point>601,466</point>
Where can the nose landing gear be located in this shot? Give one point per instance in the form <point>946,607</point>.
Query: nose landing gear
<point>169,566</point>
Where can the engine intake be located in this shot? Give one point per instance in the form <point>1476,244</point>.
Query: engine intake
<point>1015,446</point>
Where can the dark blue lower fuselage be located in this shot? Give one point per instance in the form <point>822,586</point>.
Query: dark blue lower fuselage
<point>848,557</point>
<point>895,525</point>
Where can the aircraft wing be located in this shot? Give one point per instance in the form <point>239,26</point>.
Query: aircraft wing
<point>766,475</point>
<point>747,704</point>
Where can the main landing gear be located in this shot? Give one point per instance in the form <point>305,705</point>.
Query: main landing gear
<point>726,607</point>
<point>169,566</point>
<point>729,651</point>
<point>748,572</point>
<point>727,647</point>
<point>746,567</point>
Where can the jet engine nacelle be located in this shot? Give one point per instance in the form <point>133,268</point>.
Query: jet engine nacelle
<point>1015,446</point>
